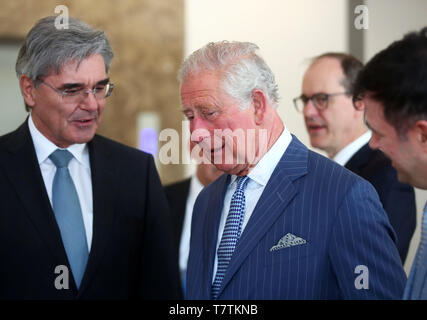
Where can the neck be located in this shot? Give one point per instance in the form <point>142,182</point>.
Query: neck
<point>332,152</point>
<point>273,133</point>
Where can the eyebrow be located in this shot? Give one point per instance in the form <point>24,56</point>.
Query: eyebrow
<point>72,85</point>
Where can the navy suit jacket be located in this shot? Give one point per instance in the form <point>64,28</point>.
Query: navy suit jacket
<point>131,255</point>
<point>338,214</point>
<point>398,199</point>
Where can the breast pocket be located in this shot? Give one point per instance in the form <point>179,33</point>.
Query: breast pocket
<point>283,254</point>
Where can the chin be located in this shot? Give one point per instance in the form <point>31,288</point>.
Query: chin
<point>403,177</point>
<point>315,144</point>
<point>83,139</point>
<point>233,169</point>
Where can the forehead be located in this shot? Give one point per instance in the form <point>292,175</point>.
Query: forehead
<point>90,68</point>
<point>323,75</point>
<point>201,89</point>
<point>374,117</point>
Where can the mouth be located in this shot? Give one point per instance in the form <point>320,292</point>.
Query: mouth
<point>315,128</point>
<point>217,149</point>
<point>83,122</point>
<point>217,154</point>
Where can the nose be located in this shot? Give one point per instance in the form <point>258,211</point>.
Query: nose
<point>310,109</point>
<point>89,101</point>
<point>198,129</point>
<point>197,123</point>
<point>374,142</point>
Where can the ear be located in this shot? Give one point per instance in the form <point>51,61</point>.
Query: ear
<point>420,129</point>
<point>358,104</point>
<point>27,89</point>
<point>259,101</point>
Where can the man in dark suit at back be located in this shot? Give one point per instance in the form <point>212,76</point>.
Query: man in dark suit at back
<point>335,127</point>
<point>81,216</point>
<point>181,196</point>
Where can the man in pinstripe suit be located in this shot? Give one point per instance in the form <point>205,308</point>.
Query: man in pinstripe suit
<point>307,228</point>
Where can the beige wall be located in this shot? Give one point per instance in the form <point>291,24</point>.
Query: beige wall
<point>389,20</point>
<point>12,112</point>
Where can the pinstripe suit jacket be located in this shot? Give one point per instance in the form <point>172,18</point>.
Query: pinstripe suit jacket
<point>336,212</point>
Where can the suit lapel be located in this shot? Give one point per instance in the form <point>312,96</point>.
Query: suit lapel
<point>21,167</point>
<point>359,159</point>
<point>277,195</point>
<point>104,189</point>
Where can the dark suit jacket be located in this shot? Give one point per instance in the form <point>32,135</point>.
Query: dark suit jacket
<point>398,199</point>
<point>131,254</point>
<point>177,194</point>
<point>346,231</point>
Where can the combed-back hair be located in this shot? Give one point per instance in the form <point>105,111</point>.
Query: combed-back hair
<point>46,49</point>
<point>241,70</point>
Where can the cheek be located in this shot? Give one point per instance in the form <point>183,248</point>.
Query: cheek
<point>336,121</point>
<point>55,114</point>
<point>100,113</point>
<point>390,149</point>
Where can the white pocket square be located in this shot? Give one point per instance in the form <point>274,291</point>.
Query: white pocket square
<point>289,240</point>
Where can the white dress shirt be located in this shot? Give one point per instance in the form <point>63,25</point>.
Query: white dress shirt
<point>184,247</point>
<point>258,179</point>
<point>79,167</point>
<point>345,154</point>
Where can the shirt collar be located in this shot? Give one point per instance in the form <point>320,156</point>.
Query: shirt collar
<point>195,185</point>
<point>263,170</point>
<point>345,154</point>
<point>44,147</point>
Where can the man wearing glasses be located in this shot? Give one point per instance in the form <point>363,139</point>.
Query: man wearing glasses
<point>337,128</point>
<point>81,216</point>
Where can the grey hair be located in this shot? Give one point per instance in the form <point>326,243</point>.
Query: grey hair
<point>46,49</point>
<point>242,70</point>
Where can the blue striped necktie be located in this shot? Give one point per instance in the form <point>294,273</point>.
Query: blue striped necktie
<point>231,234</point>
<point>68,214</point>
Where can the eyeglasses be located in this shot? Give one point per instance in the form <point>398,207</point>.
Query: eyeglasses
<point>319,100</point>
<point>76,95</point>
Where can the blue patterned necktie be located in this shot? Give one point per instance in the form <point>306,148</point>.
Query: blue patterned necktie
<point>68,214</point>
<point>231,234</point>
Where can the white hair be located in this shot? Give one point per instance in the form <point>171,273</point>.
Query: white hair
<point>242,70</point>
